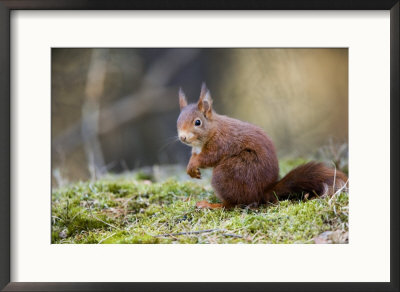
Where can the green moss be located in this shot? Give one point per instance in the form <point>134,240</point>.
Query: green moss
<point>116,210</point>
<point>141,175</point>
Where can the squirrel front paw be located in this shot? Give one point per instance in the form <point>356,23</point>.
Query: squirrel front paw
<point>194,172</point>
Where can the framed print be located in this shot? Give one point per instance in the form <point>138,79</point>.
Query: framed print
<point>290,112</point>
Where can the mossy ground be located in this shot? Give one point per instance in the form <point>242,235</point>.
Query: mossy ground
<point>133,209</point>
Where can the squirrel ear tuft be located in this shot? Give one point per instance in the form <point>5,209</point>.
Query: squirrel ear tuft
<point>204,89</point>
<point>182,99</point>
<point>205,101</point>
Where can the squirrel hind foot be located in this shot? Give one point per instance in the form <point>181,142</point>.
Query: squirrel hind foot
<point>207,205</point>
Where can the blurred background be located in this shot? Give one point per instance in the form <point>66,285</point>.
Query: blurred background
<point>115,110</point>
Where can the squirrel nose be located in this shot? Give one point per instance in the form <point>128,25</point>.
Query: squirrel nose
<point>183,138</point>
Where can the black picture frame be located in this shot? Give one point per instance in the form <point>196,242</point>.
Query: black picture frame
<point>7,6</point>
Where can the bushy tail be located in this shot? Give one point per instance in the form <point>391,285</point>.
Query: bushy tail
<point>311,179</point>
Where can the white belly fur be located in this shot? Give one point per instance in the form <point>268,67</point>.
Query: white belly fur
<point>196,149</point>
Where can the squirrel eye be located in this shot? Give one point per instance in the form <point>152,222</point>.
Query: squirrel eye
<point>197,122</point>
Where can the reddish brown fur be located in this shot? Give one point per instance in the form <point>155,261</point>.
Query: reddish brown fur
<point>244,159</point>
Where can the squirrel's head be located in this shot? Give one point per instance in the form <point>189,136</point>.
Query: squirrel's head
<point>195,120</point>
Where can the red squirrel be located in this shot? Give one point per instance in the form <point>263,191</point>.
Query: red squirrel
<point>243,157</point>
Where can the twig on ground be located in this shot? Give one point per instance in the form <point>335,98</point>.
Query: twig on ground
<point>199,232</point>
<point>188,232</point>
<point>232,235</point>
<point>91,214</point>
<point>106,238</point>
